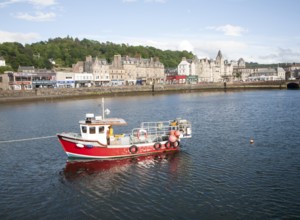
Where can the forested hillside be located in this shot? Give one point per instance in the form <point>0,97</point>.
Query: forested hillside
<point>67,51</point>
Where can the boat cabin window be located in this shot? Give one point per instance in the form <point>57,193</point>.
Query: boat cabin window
<point>84,129</point>
<point>101,129</point>
<point>92,130</point>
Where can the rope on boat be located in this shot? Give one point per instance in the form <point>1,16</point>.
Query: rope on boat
<point>27,139</point>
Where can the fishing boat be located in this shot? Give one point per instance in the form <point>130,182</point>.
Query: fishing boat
<point>97,139</point>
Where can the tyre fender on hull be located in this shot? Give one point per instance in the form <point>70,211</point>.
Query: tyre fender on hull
<point>176,144</point>
<point>168,144</point>
<point>157,146</point>
<point>133,149</point>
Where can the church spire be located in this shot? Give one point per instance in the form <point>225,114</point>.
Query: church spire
<point>219,56</point>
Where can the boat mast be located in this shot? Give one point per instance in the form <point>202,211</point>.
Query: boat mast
<point>103,108</point>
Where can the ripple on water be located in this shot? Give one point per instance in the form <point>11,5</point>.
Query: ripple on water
<point>217,175</point>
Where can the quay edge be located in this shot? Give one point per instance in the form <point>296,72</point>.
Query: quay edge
<point>70,93</point>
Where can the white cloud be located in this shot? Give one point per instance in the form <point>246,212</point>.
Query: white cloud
<point>186,45</point>
<point>4,4</point>
<point>18,37</point>
<point>129,1</point>
<point>39,16</point>
<point>36,3</point>
<point>229,30</point>
<point>280,55</point>
<point>42,3</point>
<point>156,1</point>
<point>147,1</point>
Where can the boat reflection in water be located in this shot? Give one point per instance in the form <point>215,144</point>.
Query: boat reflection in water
<point>79,168</point>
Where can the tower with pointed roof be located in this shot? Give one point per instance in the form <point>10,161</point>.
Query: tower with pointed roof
<point>219,58</point>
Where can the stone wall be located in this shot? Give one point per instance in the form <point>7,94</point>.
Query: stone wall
<point>9,95</point>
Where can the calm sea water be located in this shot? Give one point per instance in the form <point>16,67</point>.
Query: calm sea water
<point>217,175</point>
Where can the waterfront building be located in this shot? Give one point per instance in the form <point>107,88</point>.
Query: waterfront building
<point>266,74</point>
<point>170,75</point>
<point>28,77</point>
<point>280,73</point>
<point>143,71</point>
<point>186,73</point>
<point>293,71</point>
<point>74,79</point>
<point>78,67</point>
<point>192,79</point>
<point>176,79</point>
<point>122,71</point>
<point>83,79</point>
<point>186,67</point>
<point>240,73</point>
<point>204,70</point>
<point>238,64</point>
<point>117,72</point>
<point>209,70</point>
<point>130,71</point>
<point>65,79</point>
<point>4,81</point>
<point>129,65</point>
<point>43,78</point>
<point>99,68</point>
<point>26,69</point>
<point>20,81</point>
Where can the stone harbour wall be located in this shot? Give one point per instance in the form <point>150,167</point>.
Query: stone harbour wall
<point>66,93</point>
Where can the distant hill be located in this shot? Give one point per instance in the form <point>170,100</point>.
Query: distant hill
<point>67,51</point>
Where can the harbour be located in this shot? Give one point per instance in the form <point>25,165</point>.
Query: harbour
<point>218,173</point>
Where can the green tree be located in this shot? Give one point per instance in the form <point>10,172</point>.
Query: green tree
<point>5,68</point>
<point>67,51</point>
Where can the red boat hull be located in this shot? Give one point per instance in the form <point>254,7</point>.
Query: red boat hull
<point>96,150</point>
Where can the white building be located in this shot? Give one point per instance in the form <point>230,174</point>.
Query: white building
<point>280,73</point>
<point>65,79</point>
<point>186,68</point>
<point>84,79</point>
<point>266,74</point>
<point>209,70</point>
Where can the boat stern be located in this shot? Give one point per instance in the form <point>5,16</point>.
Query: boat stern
<point>183,126</point>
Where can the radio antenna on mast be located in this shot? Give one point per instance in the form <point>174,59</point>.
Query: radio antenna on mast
<point>106,111</point>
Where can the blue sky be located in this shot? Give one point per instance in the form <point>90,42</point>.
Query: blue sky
<point>264,31</point>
